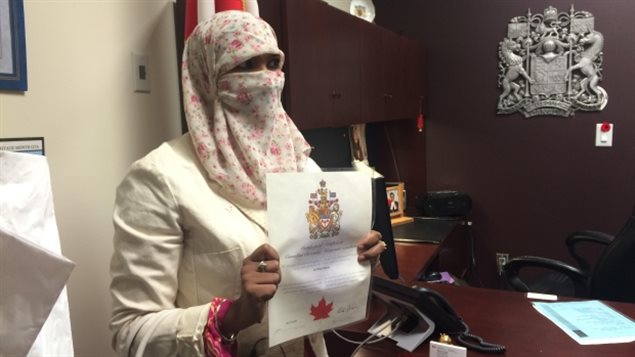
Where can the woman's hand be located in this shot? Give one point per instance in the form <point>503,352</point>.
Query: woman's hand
<point>260,276</point>
<point>370,247</point>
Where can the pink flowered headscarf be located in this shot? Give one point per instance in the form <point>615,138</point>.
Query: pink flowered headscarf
<point>236,120</point>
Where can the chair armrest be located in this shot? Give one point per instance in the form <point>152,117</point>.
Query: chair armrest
<point>586,236</point>
<point>513,267</point>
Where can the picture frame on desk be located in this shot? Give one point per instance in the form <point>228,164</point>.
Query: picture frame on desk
<point>396,201</point>
<point>395,195</point>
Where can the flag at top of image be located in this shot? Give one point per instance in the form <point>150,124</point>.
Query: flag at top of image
<point>201,10</point>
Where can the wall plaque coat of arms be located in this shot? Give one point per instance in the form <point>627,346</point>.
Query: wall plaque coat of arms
<point>551,64</point>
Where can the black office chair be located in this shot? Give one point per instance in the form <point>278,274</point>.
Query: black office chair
<point>610,278</point>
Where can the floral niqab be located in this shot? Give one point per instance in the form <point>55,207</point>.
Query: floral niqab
<point>238,126</point>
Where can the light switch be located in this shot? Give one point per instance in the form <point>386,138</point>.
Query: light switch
<point>140,73</point>
<point>604,134</point>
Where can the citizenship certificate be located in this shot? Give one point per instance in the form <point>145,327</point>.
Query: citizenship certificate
<point>314,220</point>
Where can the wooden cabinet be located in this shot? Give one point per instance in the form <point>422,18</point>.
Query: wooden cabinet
<point>391,75</point>
<point>342,70</point>
<point>322,82</point>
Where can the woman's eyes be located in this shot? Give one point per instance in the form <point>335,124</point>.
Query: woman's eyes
<point>245,66</point>
<point>258,64</point>
<point>273,63</point>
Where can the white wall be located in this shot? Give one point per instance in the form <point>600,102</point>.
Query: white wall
<point>81,99</point>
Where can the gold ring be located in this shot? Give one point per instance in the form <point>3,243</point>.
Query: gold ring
<point>262,266</point>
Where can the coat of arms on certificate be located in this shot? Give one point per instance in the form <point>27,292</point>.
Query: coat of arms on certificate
<point>324,213</point>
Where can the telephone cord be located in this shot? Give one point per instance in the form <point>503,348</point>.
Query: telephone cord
<point>479,345</point>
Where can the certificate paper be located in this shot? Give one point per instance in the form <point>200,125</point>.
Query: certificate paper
<point>314,221</point>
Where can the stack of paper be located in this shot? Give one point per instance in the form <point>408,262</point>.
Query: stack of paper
<point>34,312</point>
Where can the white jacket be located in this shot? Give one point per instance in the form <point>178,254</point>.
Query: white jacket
<point>178,243</point>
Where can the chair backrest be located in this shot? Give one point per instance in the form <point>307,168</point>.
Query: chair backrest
<point>612,277</point>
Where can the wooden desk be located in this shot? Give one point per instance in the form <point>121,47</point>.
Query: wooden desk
<point>430,244</point>
<point>498,316</point>
<point>412,259</point>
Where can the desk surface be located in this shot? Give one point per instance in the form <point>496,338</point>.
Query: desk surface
<point>425,230</point>
<point>431,244</point>
<point>413,259</point>
<point>502,317</point>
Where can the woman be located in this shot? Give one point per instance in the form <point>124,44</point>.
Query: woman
<point>190,226</point>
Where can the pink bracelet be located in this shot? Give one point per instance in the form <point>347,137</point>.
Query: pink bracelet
<point>221,311</point>
<point>216,344</point>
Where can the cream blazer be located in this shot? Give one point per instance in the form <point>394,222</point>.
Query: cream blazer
<point>178,244</point>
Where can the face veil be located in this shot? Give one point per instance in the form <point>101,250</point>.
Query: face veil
<point>238,126</point>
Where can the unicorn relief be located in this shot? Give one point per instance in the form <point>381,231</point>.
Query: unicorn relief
<point>586,64</point>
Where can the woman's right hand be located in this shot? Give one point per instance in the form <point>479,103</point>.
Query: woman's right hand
<point>259,285</point>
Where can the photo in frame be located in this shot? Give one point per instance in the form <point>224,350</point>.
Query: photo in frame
<point>394,194</point>
<point>12,46</point>
<point>396,200</point>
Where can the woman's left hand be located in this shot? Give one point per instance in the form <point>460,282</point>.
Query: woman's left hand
<point>369,247</point>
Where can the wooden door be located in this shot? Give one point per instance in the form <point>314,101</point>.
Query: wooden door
<point>306,64</point>
<point>408,81</point>
<point>343,56</point>
<point>375,63</point>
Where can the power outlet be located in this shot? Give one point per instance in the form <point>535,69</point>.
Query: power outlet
<point>501,260</point>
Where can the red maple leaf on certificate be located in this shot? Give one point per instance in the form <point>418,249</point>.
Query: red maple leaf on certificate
<point>322,310</point>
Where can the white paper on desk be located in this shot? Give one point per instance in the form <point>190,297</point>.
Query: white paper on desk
<point>589,322</point>
<point>32,279</point>
<point>323,285</point>
<point>34,312</point>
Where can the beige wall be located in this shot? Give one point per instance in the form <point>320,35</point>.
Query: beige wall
<point>81,100</point>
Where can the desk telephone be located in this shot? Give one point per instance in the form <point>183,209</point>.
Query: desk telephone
<point>419,303</point>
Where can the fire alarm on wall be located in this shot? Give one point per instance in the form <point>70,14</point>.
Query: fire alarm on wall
<point>604,134</point>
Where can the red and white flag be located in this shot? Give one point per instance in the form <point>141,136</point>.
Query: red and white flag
<point>201,10</point>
